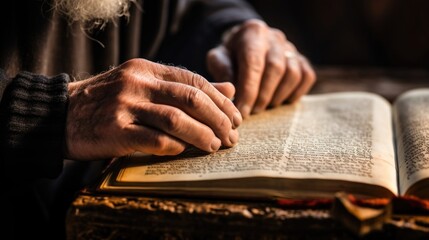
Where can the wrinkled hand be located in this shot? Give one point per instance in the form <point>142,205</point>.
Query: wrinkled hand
<point>265,67</point>
<point>148,107</point>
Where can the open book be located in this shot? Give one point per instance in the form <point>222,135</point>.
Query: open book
<point>355,142</point>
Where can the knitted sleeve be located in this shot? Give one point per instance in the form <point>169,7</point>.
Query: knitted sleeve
<point>32,124</point>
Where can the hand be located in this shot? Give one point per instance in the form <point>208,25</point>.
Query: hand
<point>265,67</point>
<point>148,107</point>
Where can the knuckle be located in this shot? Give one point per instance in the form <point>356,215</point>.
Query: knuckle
<point>165,72</point>
<point>132,63</point>
<point>126,73</point>
<point>172,121</point>
<point>255,24</point>
<point>123,74</point>
<point>194,97</point>
<point>226,103</point>
<point>279,34</point>
<point>276,65</point>
<point>290,46</point>
<point>198,81</point>
<point>224,124</point>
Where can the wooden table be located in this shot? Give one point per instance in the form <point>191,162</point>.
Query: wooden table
<point>95,216</point>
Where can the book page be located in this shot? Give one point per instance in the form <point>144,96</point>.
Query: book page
<point>343,136</point>
<point>411,112</point>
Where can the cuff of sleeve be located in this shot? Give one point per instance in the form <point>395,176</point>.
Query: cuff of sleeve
<point>228,17</point>
<point>32,125</point>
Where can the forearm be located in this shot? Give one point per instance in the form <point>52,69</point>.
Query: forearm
<point>32,123</point>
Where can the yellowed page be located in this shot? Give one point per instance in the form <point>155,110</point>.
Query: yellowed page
<point>411,112</point>
<point>345,136</point>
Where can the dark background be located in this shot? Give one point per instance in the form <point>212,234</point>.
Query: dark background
<point>376,33</point>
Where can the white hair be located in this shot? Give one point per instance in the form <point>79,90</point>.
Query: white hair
<point>93,13</point>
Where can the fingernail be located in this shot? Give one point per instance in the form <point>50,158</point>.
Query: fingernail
<point>245,110</point>
<point>216,143</point>
<point>233,137</point>
<point>236,119</point>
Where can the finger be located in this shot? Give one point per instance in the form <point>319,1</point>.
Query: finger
<point>251,51</point>
<point>199,106</point>
<point>309,78</point>
<point>289,82</point>
<point>152,141</point>
<point>178,124</point>
<point>226,88</point>
<point>219,64</point>
<point>175,74</point>
<point>274,70</point>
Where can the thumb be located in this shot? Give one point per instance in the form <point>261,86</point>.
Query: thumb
<point>219,64</point>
